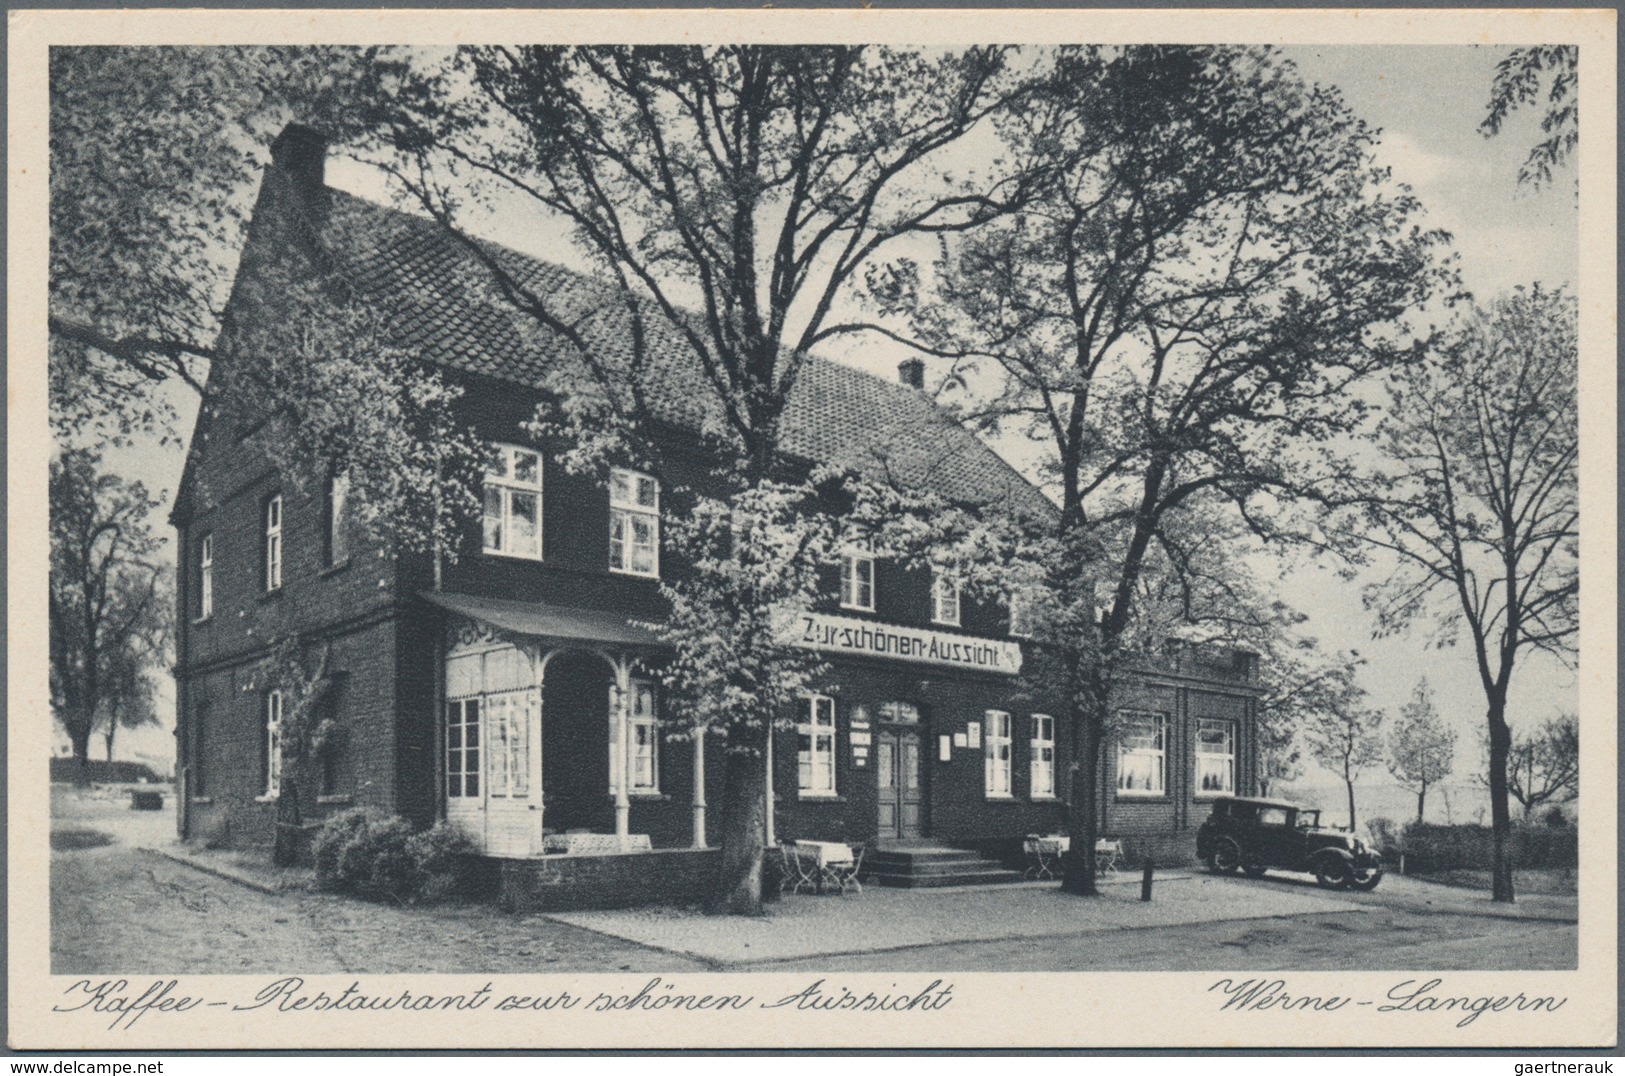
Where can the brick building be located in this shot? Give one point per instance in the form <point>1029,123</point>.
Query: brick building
<point>517,699</point>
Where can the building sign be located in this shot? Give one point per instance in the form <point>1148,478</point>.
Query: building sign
<point>867,638</point>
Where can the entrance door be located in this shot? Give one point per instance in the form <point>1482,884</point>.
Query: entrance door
<point>897,777</point>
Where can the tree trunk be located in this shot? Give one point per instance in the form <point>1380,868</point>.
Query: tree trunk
<point>1500,815</point>
<point>1078,866</point>
<point>1353,824</point>
<point>112,730</point>
<point>744,822</point>
<point>80,738</point>
<point>286,851</point>
<point>1421,800</point>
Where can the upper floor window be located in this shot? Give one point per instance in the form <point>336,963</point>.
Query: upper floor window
<point>996,754</point>
<point>205,576</point>
<point>815,756</point>
<point>1043,761</point>
<point>513,503</point>
<point>634,523</point>
<point>1142,754</point>
<point>338,518</point>
<point>645,736</point>
<point>1215,757</point>
<point>858,578</point>
<point>944,599</point>
<point>273,542</point>
<point>271,744</point>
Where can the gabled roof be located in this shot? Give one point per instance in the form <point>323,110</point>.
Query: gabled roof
<point>441,302</point>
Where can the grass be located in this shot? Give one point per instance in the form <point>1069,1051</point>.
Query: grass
<point>1531,882</point>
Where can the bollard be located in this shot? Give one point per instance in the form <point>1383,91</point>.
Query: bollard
<point>1145,880</point>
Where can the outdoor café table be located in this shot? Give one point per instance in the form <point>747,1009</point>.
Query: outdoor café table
<point>830,857</point>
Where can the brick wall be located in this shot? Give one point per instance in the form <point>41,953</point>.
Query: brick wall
<point>564,883</point>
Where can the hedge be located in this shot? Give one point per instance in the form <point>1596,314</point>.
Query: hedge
<point>1430,847</point>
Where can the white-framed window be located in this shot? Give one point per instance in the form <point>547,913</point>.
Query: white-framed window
<point>507,726</point>
<point>1142,754</point>
<point>205,577</point>
<point>338,518</point>
<point>1215,757</point>
<point>858,578</point>
<point>1042,777</point>
<point>513,503</point>
<point>996,754</point>
<point>1021,626</point>
<point>944,598</point>
<point>273,542</point>
<point>634,523</point>
<point>272,743</point>
<point>463,748</point>
<point>815,754</point>
<point>645,732</point>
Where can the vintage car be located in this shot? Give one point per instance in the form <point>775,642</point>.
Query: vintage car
<point>1255,835</point>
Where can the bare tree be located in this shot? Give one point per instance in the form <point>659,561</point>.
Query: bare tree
<point>1421,748</point>
<point>1477,504</point>
<point>1543,766</point>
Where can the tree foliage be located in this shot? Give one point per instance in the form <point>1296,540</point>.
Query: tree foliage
<point>108,616</point>
<point>1421,747</point>
<point>1525,76</point>
<point>1346,737</point>
<point>1476,503</point>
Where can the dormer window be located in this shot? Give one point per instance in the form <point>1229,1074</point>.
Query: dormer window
<point>513,503</point>
<point>858,578</point>
<point>634,523</point>
<point>944,598</point>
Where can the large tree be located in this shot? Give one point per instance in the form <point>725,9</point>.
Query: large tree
<point>107,616</point>
<point>1421,747</point>
<point>1525,76</point>
<point>730,198</point>
<point>1177,322</point>
<point>1476,505</point>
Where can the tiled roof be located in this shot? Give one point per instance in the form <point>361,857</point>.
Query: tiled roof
<point>445,305</point>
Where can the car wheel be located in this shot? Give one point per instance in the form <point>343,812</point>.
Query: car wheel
<point>1332,872</point>
<point>1365,880</point>
<point>1254,871</point>
<point>1226,856</point>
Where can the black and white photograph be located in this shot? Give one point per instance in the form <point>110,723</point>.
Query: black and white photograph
<point>772,531</point>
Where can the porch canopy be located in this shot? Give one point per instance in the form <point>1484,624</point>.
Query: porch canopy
<point>552,629</point>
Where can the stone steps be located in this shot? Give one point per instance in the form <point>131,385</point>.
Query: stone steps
<point>918,868</point>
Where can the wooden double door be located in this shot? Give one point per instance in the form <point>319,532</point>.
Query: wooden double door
<point>899,782</point>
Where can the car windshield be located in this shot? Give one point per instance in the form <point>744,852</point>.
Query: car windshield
<point>1308,819</point>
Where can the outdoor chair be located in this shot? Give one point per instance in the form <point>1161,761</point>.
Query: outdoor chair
<point>842,875</point>
<point>799,872</point>
<point>1108,855</point>
<point>1043,854</point>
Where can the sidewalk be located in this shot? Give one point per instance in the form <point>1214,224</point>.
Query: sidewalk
<point>806,925</point>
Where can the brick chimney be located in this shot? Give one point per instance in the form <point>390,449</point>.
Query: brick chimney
<point>911,372</point>
<point>300,154</point>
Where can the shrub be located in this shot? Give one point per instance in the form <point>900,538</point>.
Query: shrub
<point>1388,836</point>
<point>363,852</point>
<point>1430,848</point>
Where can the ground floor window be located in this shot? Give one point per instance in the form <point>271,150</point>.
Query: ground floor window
<point>507,724</point>
<point>1215,757</point>
<point>1043,763</point>
<point>463,749</point>
<point>996,754</point>
<point>815,756</point>
<point>1142,754</point>
<point>645,734</point>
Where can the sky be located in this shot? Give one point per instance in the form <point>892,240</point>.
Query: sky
<point>1428,102</point>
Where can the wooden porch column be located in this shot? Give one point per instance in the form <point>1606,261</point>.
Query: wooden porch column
<point>699,786</point>
<point>623,725</point>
